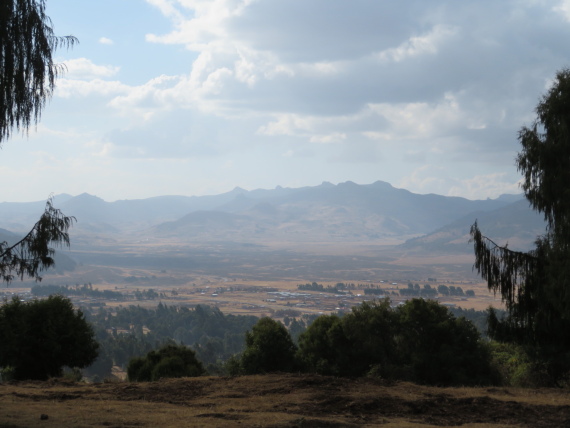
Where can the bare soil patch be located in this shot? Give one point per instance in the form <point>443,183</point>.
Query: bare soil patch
<point>276,400</point>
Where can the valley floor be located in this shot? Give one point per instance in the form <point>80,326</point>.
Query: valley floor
<point>276,400</point>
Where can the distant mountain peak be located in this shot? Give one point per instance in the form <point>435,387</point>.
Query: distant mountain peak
<point>382,184</point>
<point>86,196</point>
<point>239,190</point>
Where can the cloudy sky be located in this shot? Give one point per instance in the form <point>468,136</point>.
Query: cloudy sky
<point>195,97</point>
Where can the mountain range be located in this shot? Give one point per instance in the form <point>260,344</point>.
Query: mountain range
<point>347,212</point>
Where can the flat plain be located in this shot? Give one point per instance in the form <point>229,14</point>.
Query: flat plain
<point>263,279</point>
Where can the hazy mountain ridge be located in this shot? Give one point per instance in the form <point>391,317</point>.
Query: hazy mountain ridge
<point>516,224</point>
<point>328,212</point>
<point>345,212</point>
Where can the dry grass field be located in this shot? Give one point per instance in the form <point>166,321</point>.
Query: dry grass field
<point>276,400</point>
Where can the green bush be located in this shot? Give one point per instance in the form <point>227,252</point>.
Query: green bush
<point>321,344</point>
<point>420,341</point>
<point>166,362</point>
<point>269,348</point>
<point>232,366</point>
<point>515,366</point>
<point>40,337</point>
<point>440,349</point>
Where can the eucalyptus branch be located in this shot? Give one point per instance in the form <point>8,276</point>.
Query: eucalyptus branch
<point>33,254</point>
<point>514,274</point>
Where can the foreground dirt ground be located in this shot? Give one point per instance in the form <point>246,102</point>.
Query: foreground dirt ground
<point>276,400</point>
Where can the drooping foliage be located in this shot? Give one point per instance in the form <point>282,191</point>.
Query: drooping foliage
<point>27,69</point>
<point>40,337</point>
<point>33,254</point>
<point>27,81</point>
<point>535,286</point>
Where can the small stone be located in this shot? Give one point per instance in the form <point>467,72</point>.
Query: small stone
<point>43,417</point>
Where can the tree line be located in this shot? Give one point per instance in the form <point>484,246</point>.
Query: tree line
<point>412,290</point>
<point>420,341</point>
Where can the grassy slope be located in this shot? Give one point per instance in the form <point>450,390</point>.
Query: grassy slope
<point>276,400</point>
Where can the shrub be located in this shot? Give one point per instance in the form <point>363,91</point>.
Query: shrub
<point>40,337</point>
<point>441,349</point>
<point>269,348</point>
<point>166,362</point>
<point>420,341</point>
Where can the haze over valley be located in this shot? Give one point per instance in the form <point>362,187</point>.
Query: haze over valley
<point>328,233</point>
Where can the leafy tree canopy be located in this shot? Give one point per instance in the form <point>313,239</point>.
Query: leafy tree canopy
<point>168,361</point>
<point>40,337</point>
<point>268,348</point>
<point>420,341</point>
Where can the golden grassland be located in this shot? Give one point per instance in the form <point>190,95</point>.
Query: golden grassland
<point>276,400</point>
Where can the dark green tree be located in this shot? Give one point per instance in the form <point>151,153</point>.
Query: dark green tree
<point>166,362</point>
<point>369,330</point>
<point>535,285</point>
<point>40,337</point>
<point>420,341</point>
<point>433,347</point>
<point>268,348</point>
<point>321,346</point>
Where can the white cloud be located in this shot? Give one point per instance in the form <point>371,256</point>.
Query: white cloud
<point>431,178</point>
<point>335,137</point>
<point>378,87</point>
<point>287,124</point>
<point>83,68</point>
<point>106,41</point>
<point>67,88</point>
<point>418,45</point>
<point>563,8</point>
<point>485,186</point>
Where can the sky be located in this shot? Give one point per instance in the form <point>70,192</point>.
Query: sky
<point>196,97</point>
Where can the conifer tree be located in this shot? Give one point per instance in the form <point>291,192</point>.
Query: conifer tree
<point>535,285</point>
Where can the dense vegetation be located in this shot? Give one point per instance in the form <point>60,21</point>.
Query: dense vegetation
<point>419,341</point>
<point>40,337</point>
<point>133,331</point>
<point>412,290</point>
<point>86,290</point>
<point>167,362</point>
